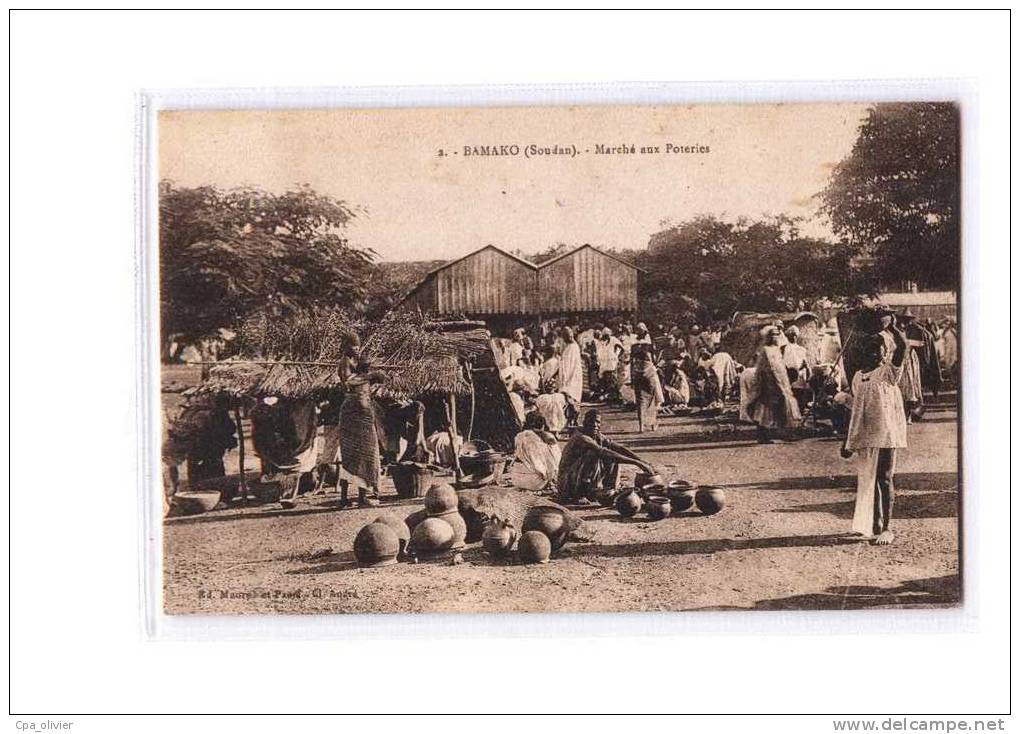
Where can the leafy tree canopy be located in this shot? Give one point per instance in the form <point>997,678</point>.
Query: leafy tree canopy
<point>227,254</point>
<point>707,268</point>
<point>896,197</point>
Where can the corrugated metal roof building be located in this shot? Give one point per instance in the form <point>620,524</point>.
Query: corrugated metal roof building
<point>487,282</point>
<point>587,280</point>
<point>491,283</point>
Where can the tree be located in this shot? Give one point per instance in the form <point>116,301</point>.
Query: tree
<point>707,268</point>
<point>227,254</point>
<point>896,197</point>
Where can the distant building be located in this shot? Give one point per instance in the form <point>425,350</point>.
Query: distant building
<point>587,280</point>
<point>487,282</point>
<point>503,289</point>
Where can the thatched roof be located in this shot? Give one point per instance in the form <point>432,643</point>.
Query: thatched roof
<point>299,356</point>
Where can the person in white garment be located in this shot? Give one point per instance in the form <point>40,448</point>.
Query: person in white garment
<point>570,377</point>
<point>537,456</point>
<point>608,350</point>
<point>878,427</point>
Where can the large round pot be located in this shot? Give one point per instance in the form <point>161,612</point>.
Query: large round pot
<point>430,537</point>
<point>682,499</point>
<point>376,545</point>
<point>456,521</point>
<point>412,520</point>
<point>440,498</point>
<point>658,508</point>
<point>710,500</point>
<point>629,503</point>
<point>548,520</point>
<point>534,547</point>
<point>398,526</point>
<point>498,538</point>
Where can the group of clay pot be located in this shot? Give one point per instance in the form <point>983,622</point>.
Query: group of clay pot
<point>659,501</point>
<point>543,531</point>
<point>436,531</point>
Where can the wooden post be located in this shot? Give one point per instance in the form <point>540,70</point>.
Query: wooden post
<point>243,484</point>
<point>451,413</point>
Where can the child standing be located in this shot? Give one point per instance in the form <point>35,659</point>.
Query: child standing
<point>878,427</point>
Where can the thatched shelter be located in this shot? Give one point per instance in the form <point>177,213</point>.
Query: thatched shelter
<point>422,359</point>
<point>743,338</point>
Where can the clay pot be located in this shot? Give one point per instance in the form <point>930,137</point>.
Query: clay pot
<point>398,526</point>
<point>548,520</point>
<point>431,536</point>
<point>498,538</point>
<point>681,499</point>
<point>376,545</point>
<point>643,478</point>
<point>653,490</point>
<point>658,507</point>
<point>456,521</point>
<point>629,503</point>
<point>440,498</point>
<point>710,500</point>
<point>534,547</point>
<point>412,520</point>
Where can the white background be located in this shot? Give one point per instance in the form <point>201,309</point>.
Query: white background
<point>77,642</point>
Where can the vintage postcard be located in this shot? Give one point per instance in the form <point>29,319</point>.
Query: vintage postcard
<point>542,359</point>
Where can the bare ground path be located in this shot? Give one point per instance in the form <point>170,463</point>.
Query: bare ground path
<point>781,543</point>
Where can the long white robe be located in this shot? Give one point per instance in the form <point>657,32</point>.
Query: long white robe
<point>571,375</point>
<point>537,462</point>
<point>552,407</point>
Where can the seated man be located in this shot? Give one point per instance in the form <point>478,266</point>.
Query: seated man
<point>592,461</point>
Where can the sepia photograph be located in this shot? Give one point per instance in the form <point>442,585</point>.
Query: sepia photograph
<point>594,358</point>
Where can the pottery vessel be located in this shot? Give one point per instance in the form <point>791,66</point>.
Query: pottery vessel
<point>440,498</point>
<point>430,537</point>
<point>534,547</point>
<point>498,538</point>
<point>398,526</point>
<point>376,545</point>
<point>548,520</point>
<point>658,508</point>
<point>456,521</point>
<point>710,500</point>
<point>681,499</point>
<point>629,503</point>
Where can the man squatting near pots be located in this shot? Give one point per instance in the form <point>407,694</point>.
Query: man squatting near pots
<point>592,461</point>
<point>878,427</point>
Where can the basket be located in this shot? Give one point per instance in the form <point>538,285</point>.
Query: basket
<point>483,463</point>
<point>411,479</point>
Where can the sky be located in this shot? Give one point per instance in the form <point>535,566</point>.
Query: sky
<point>415,204</point>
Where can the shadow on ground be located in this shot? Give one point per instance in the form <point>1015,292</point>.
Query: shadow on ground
<point>922,506</point>
<point>907,481</point>
<point>934,591</point>
<point>700,547</point>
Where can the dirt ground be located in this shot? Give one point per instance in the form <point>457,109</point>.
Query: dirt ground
<point>781,542</point>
